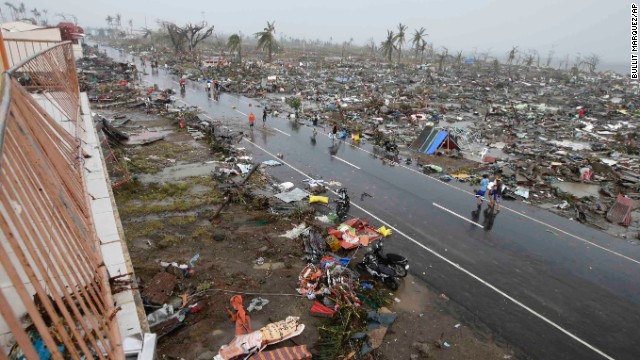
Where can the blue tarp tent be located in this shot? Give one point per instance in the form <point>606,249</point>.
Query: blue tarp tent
<point>431,140</point>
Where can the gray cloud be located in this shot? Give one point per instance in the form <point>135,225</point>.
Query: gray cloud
<point>587,26</point>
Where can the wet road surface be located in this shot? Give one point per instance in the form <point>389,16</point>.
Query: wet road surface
<point>551,287</point>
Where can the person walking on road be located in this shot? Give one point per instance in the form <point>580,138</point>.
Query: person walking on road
<point>252,121</point>
<point>483,189</point>
<point>264,117</point>
<point>496,195</point>
<point>334,132</point>
<point>493,195</point>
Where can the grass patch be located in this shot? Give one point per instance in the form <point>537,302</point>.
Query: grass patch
<point>176,206</point>
<point>144,165</point>
<point>202,231</point>
<point>168,240</point>
<point>143,229</point>
<point>135,190</point>
<point>182,220</point>
<point>207,181</point>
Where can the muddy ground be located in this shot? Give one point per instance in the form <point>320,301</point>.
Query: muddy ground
<point>166,217</point>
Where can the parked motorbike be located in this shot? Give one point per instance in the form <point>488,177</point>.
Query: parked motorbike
<point>343,204</point>
<point>399,263</point>
<point>382,273</point>
<point>391,147</point>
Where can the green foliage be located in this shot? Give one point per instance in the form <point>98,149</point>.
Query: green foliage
<point>267,39</point>
<point>296,103</point>
<point>335,334</point>
<point>143,229</point>
<point>168,240</point>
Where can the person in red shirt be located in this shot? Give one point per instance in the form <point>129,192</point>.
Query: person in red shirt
<point>252,120</point>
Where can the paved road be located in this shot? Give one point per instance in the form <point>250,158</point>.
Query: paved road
<point>551,287</point>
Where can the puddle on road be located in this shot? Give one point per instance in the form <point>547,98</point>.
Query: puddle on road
<point>578,189</point>
<point>179,172</point>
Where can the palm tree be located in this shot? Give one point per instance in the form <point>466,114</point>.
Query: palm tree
<point>22,10</point>
<point>118,21</point>
<point>14,10</point>
<point>36,15</point>
<point>388,46</point>
<point>45,17</point>
<point>512,55</point>
<point>109,20</point>
<point>266,39</point>
<point>418,42</point>
<point>235,44</point>
<point>131,26</point>
<point>399,39</point>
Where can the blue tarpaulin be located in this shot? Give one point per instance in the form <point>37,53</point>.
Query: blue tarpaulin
<point>436,142</point>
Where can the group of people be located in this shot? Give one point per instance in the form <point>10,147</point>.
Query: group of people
<point>212,84</point>
<point>333,134</point>
<point>491,191</point>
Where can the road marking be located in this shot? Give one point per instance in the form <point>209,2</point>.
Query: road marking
<point>345,161</point>
<point>207,116</point>
<point>455,265</point>
<point>458,215</point>
<point>240,112</point>
<point>280,131</point>
<point>512,210</point>
<point>239,99</point>
<point>175,82</point>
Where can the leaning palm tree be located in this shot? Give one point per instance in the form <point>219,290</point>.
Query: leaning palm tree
<point>266,38</point>
<point>418,42</point>
<point>234,43</point>
<point>109,20</point>
<point>14,10</point>
<point>388,46</point>
<point>400,39</point>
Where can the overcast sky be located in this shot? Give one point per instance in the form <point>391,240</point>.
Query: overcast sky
<point>569,26</point>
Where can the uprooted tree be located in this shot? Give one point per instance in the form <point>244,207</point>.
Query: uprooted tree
<point>591,62</point>
<point>190,34</point>
<point>196,32</point>
<point>177,35</point>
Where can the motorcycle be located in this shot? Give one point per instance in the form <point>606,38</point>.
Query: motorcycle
<point>382,273</point>
<point>391,147</point>
<point>397,262</point>
<point>342,204</point>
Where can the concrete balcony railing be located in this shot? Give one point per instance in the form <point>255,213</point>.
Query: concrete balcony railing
<point>54,284</point>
